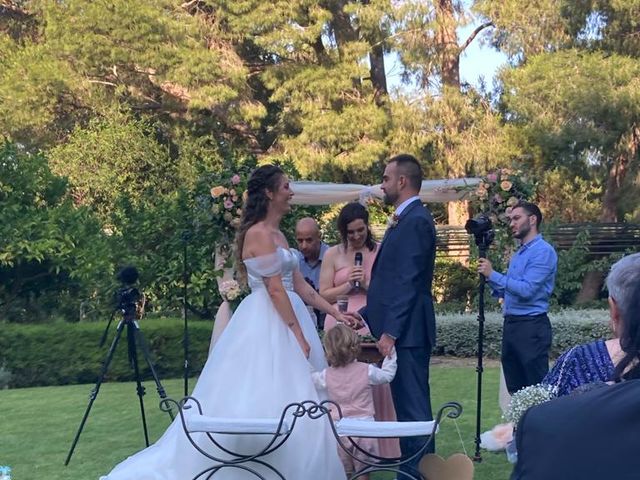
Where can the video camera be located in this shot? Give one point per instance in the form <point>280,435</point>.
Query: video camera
<point>127,298</point>
<point>482,229</point>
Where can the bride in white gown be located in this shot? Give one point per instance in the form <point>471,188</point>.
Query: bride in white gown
<point>258,365</point>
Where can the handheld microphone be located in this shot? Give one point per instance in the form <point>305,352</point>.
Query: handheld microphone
<point>358,263</point>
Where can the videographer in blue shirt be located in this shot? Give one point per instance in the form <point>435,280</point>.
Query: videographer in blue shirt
<point>526,289</point>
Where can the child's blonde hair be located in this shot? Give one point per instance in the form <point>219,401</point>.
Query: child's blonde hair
<point>342,345</point>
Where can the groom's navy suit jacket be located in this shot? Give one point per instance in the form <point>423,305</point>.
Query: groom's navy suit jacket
<point>399,300</point>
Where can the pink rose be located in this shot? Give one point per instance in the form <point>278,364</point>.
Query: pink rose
<point>497,198</point>
<point>228,204</point>
<point>492,177</point>
<point>235,179</point>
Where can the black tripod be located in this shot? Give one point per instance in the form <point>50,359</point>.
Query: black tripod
<point>134,338</point>
<point>482,229</point>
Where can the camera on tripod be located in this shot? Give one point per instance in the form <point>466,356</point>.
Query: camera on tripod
<point>482,229</point>
<point>128,298</point>
<point>130,302</point>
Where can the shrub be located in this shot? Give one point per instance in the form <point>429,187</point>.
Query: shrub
<point>51,252</point>
<point>457,334</point>
<point>67,353</point>
<point>453,281</point>
<point>64,353</point>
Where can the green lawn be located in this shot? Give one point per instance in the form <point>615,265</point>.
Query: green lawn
<point>38,425</point>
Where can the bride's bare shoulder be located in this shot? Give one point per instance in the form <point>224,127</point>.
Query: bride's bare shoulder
<point>257,241</point>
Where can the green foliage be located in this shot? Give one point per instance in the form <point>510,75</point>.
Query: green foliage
<point>567,196</point>
<point>63,353</point>
<point>457,334</point>
<point>454,282</point>
<point>591,109</point>
<point>573,264</point>
<point>515,33</point>
<point>154,238</point>
<point>40,354</point>
<point>41,95</point>
<point>51,252</point>
<point>113,158</point>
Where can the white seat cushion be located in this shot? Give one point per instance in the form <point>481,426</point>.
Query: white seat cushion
<point>201,423</point>
<point>349,427</point>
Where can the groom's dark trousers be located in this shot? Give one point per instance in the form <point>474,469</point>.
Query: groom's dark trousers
<point>399,303</point>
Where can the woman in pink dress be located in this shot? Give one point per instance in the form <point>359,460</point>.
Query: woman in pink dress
<point>340,276</point>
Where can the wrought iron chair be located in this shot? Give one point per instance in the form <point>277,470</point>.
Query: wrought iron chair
<point>345,430</point>
<point>279,429</point>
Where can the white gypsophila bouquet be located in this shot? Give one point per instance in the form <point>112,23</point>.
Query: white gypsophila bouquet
<point>526,398</point>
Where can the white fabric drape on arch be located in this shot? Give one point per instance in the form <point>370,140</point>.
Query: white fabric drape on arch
<point>321,193</point>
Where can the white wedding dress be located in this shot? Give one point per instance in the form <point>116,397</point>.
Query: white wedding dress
<point>255,369</point>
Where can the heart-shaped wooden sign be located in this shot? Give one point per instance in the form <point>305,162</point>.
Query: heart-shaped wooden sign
<point>457,467</point>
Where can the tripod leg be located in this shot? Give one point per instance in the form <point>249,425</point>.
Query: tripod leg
<point>479,369</point>
<point>133,356</point>
<point>147,357</point>
<point>96,388</point>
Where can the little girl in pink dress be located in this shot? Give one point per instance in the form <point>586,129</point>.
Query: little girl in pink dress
<point>349,384</point>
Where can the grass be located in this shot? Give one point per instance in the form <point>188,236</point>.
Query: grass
<point>38,425</point>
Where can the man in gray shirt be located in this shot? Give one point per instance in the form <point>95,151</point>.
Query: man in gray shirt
<point>310,251</point>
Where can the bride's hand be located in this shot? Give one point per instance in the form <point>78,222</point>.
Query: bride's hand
<point>351,319</point>
<point>304,345</point>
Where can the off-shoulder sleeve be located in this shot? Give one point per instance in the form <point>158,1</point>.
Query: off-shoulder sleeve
<point>268,265</point>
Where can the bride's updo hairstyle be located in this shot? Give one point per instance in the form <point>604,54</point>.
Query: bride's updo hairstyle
<point>263,179</point>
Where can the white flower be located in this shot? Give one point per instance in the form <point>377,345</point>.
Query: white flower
<point>526,398</point>
<point>230,290</point>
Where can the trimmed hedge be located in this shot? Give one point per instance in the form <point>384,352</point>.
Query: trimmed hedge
<point>65,353</point>
<point>457,335</point>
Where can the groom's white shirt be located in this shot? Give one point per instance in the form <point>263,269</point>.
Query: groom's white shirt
<point>405,204</point>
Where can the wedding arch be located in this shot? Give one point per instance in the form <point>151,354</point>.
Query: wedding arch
<point>326,193</point>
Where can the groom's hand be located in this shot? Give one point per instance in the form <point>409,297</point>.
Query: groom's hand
<point>354,320</point>
<point>386,344</point>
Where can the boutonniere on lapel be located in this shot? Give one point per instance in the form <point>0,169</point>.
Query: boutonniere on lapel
<point>393,221</point>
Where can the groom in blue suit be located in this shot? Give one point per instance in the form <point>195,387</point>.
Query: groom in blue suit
<point>399,308</point>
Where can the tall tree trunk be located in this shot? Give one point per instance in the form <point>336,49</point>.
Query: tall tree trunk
<point>458,212</point>
<point>341,24</point>
<point>378,74</point>
<point>450,72</point>
<point>448,44</point>
<point>592,282</point>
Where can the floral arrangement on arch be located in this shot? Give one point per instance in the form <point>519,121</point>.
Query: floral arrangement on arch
<point>227,198</point>
<point>500,190</point>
